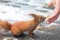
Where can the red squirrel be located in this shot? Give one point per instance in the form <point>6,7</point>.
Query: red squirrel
<point>5,25</point>
<point>19,27</point>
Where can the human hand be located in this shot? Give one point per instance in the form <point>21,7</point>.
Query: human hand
<point>56,12</point>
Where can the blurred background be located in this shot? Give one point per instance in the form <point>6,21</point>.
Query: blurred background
<point>17,10</point>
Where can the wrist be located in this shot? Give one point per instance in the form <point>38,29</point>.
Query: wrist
<point>57,11</point>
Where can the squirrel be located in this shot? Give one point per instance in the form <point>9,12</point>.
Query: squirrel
<point>5,25</point>
<point>19,27</point>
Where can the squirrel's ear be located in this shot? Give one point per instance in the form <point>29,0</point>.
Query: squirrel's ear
<point>33,15</point>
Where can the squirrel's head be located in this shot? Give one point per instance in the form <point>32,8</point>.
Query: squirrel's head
<point>38,18</point>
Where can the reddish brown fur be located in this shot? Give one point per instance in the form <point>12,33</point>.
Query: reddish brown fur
<point>19,27</point>
<point>5,24</point>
